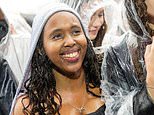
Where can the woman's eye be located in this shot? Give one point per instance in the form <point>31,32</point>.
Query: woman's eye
<point>76,32</point>
<point>57,36</point>
<point>100,15</point>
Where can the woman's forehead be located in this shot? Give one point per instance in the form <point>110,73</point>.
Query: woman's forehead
<point>62,21</point>
<point>64,16</point>
<point>100,10</point>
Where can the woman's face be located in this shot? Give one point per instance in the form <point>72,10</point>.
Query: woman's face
<point>96,22</point>
<point>150,9</point>
<point>64,41</point>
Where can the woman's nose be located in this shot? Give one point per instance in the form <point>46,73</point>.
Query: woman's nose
<point>69,41</point>
<point>97,22</point>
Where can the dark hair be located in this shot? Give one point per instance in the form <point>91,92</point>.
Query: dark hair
<point>3,25</point>
<point>41,86</point>
<point>141,10</point>
<point>3,28</point>
<point>138,53</point>
<point>98,42</point>
<point>99,38</point>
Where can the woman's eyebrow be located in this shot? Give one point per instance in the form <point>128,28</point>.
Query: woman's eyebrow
<point>76,26</point>
<point>55,31</point>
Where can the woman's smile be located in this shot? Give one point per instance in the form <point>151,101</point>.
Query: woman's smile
<point>71,56</point>
<point>93,32</point>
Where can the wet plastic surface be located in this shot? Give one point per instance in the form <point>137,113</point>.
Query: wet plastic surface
<point>8,87</point>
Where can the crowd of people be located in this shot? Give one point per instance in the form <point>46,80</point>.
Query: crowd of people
<point>69,64</point>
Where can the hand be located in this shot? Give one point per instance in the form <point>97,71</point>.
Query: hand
<point>149,62</point>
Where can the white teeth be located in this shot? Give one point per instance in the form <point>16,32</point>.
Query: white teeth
<point>71,55</point>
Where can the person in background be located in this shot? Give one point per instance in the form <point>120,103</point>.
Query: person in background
<point>97,27</point>
<point>8,84</point>
<point>62,76</point>
<point>128,55</point>
<point>144,9</point>
<point>92,13</point>
<point>142,28</point>
<point>125,65</point>
<point>15,42</point>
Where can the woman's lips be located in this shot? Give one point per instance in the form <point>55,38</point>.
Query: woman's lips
<point>93,32</point>
<point>71,56</point>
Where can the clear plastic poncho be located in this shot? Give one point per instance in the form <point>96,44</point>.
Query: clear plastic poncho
<point>8,84</point>
<point>123,68</point>
<point>119,78</point>
<point>15,44</point>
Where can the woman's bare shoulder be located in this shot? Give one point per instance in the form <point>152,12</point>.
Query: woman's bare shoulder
<point>21,102</point>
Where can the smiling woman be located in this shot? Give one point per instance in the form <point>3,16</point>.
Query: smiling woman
<point>92,13</point>
<point>97,27</point>
<point>64,77</point>
<point>65,43</point>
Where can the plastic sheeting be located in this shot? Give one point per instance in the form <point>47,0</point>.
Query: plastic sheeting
<point>8,87</point>
<point>14,42</point>
<point>14,46</point>
<point>123,68</point>
<point>128,54</point>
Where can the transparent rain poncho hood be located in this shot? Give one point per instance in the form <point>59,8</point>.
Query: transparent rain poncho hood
<point>87,9</point>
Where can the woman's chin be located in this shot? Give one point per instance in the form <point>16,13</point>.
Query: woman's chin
<point>92,37</point>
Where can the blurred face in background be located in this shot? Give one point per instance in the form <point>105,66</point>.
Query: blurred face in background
<point>96,21</point>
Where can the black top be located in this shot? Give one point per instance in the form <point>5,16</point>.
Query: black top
<point>142,105</point>
<point>100,111</point>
